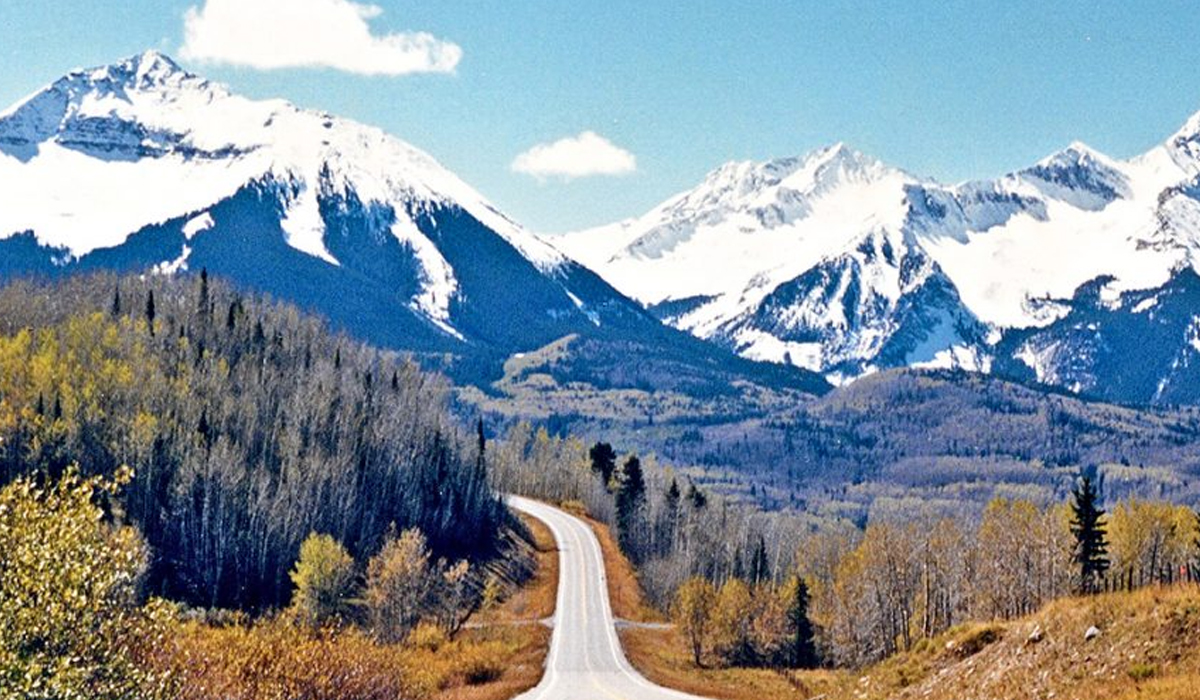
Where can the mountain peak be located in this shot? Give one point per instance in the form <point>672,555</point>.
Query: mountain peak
<point>151,65</point>
<point>149,70</point>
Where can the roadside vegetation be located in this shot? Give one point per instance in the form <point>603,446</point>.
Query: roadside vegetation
<point>751,590</point>
<point>1146,644</point>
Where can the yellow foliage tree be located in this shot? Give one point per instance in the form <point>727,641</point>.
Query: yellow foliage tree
<point>398,585</point>
<point>733,620</point>
<point>324,580</point>
<point>693,614</point>
<point>71,626</point>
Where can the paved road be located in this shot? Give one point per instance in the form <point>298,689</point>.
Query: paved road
<point>586,661</point>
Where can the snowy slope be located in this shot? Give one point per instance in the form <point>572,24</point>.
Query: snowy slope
<point>142,166</point>
<point>834,261</point>
<point>101,153</point>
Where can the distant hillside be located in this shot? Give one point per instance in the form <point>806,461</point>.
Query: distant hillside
<point>891,443</point>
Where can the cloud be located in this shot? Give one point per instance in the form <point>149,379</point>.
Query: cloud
<point>575,156</point>
<point>273,34</point>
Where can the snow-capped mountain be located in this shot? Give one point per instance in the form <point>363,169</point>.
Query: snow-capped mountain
<point>141,165</point>
<point>841,264</point>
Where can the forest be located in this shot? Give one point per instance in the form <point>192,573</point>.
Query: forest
<point>748,587</point>
<point>206,494</point>
<point>890,445</point>
<point>246,423</point>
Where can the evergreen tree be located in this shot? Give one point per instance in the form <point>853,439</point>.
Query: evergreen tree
<point>481,445</point>
<point>150,313</point>
<point>604,462</point>
<point>1091,541</point>
<point>1196,550</point>
<point>760,567</point>
<point>115,309</point>
<point>669,524</point>
<point>631,497</point>
<point>202,304</point>
<point>804,648</point>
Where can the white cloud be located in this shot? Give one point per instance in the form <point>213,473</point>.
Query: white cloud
<point>272,34</point>
<point>575,156</point>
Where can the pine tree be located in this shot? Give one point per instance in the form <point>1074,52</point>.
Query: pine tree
<point>604,462</point>
<point>481,444</point>
<point>804,648</point>
<point>669,525</point>
<point>202,304</point>
<point>631,497</point>
<point>1196,549</point>
<point>115,309</point>
<point>150,313</point>
<point>1091,541</point>
<point>760,567</point>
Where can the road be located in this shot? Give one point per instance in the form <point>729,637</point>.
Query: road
<point>586,661</point>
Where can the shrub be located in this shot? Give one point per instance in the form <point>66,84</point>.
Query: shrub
<point>275,659</point>
<point>481,664</point>
<point>977,639</point>
<point>70,621</point>
<point>427,637</point>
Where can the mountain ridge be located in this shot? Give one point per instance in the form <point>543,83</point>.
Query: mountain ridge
<point>1009,254</point>
<point>141,165</point>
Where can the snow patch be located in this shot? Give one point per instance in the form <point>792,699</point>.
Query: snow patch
<point>304,228</point>
<point>174,266</point>
<point>438,283</point>
<point>198,224</point>
<point>1145,305</point>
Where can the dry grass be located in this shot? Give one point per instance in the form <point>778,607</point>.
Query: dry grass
<point>485,677</point>
<point>624,591</point>
<point>517,620</point>
<point>662,657</point>
<point>499,656</point>
<point>536,599</point>
<point>1149,648</point>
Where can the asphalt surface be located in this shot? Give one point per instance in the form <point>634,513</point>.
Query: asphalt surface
<point>586,661</point>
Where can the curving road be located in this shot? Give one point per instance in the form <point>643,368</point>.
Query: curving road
<point>586,661</point>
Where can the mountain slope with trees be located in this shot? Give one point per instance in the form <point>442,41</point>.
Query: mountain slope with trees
<point>247,424</point>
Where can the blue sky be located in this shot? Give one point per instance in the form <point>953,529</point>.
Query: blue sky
<point>947,89</point>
